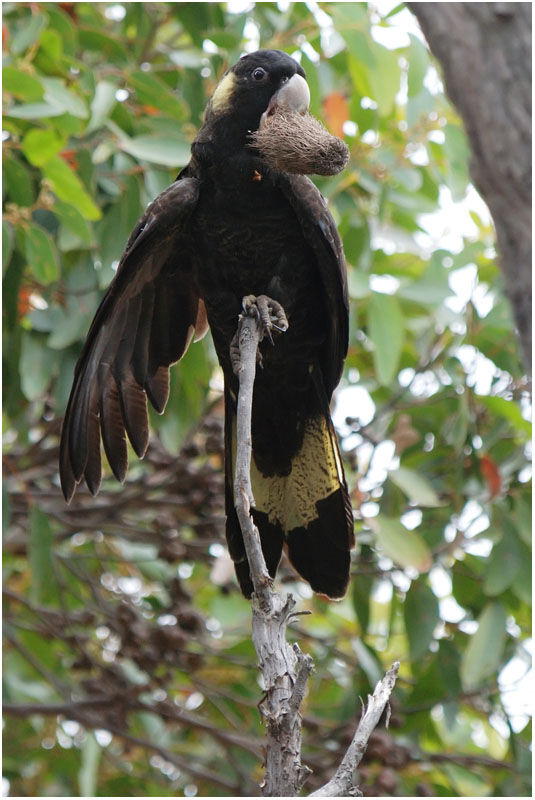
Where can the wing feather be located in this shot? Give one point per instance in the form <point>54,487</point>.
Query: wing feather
<point>320,231</point>
<point>144,323</point>
<point>112,426</point>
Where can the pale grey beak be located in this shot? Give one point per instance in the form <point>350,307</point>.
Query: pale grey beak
<point>294,95</point>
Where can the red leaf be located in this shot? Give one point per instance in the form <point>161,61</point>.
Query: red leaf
<point>491,474</point>
<point>23,304</point>
<point>70,157</point>
<point>336,110</point>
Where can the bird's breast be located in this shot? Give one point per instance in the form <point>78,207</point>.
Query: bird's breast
<point>247,235</point>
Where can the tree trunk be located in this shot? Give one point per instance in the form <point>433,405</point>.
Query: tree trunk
<point>485,53</point>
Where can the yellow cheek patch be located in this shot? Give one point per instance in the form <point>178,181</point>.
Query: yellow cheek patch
<point>221,96</point>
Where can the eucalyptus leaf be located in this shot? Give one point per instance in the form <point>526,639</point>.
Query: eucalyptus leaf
<point>18,182</point>
<point>39,145</point>
<point>386,328</point>
<point>166,150</point>
<point>21,85</point>
<point>88,774</point>
<point>503,564</point>
<point>57,94</point>
<point>406,548</point>
<point>27,33</point>
<point>33,111</point>
<point>416,486</point>
<point>421,614</point>
<point>37,366</point>
<point>69,188</point>
<point>41,254</point>
<point>484,649</point>
<point>44,588</point>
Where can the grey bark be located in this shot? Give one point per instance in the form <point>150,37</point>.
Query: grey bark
<point>343,782</point>
<point>285,669</point>
<point>485,53</point>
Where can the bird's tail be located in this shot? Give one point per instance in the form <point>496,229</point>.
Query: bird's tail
<point>308,510</point>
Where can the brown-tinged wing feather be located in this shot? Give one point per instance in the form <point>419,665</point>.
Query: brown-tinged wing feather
<point>144,323</point>
<point>319,229</point>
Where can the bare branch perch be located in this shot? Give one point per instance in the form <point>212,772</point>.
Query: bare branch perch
<point>342,784</point>
<point>285,670</point>
<point>248,339</point>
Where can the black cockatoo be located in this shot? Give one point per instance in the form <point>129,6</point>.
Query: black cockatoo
<point>231,227</point>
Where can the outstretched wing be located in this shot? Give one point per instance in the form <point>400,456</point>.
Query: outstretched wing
<point>144,323</point>
<point>319,230</point>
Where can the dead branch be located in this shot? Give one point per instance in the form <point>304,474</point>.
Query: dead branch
<point>343,782</point>
<point>285,670</point>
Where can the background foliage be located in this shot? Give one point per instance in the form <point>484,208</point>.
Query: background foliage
<point>124,628</point>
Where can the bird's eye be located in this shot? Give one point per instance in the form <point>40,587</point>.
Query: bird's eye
<point>259,74</point>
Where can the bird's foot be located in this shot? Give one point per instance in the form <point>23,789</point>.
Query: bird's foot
<point>271,315</point>
<point>268,311</point>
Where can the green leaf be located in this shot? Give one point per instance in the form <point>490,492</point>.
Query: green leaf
<point>421,615</point>
<point>41,254</point>
<point>152,90</point>
<point>425,292</point>
<point>467,782</point>
<point>416,486</point>
<point>51,44</point>
<point>68,187</point>
<point>448,662</point>
<point>68,330</point>
<point>362,590</point>
<point>509,410</point>
<point>66,101</point>
<point>27,33</point>
<point>386,328</point>
<point>418,58</point>
<point>458,155</point>
<point>43,586</point>
<point>406,548</point>
<point>88,774</point>
<point>358,284</point>
<point>503,563</point>
<point>71,218</point>
<point>385,78</point>
<point>523,578</point>
<point>37,366</point>
<point>167,150</point>
<point>102,104</point>
<point>522,518</point>
<point>59,21</point>
<point>368,661</point>
<point>224,39</point>
<point>8,240</point>
<point>33,111</point>
<point>106,46</point>
<point>21,85</point>
<point>40,145</point>
<point>18,182</point>
<point>483,652</point>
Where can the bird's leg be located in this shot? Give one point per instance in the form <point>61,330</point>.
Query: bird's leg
<point>269,311</point>
<point>272,317</point>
